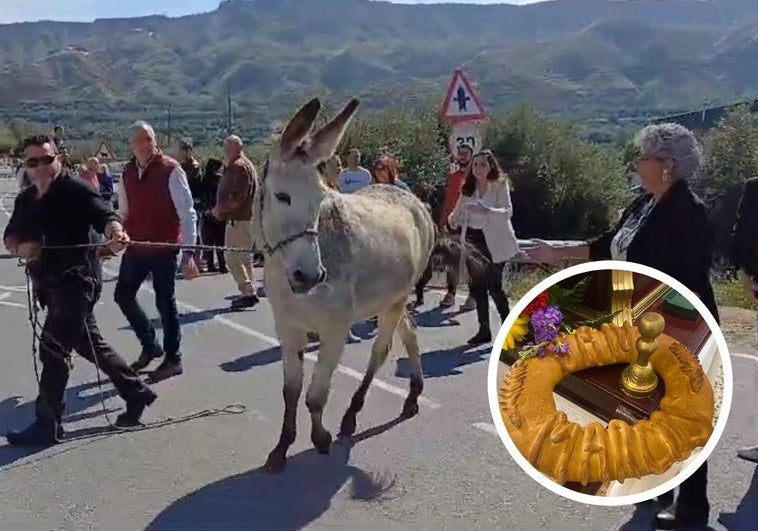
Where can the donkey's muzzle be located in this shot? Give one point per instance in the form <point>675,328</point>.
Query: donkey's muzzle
<point>301,282</point>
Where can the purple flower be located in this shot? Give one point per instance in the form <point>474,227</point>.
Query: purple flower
<point>560,348</point>
<point>553,314</point>
<point>545,334</point>
<point>546,323</point>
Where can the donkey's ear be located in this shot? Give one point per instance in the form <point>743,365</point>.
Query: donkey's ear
<point>325,141</point>
<point>299,126</point>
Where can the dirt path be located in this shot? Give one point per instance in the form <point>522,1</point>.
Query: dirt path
<point>739,327</point>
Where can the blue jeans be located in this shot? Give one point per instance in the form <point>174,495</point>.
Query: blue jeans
<point>134,271</point>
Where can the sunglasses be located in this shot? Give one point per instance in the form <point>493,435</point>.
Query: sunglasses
<point>45,160</point>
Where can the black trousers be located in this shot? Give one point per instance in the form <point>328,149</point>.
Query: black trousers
<point>214,233</point>
<point>490,286</point>
<point>70,325</point>
<point>692,507</point>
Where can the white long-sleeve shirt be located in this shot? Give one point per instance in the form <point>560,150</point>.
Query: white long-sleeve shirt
<point>495,222</point>
<point>178,187</point>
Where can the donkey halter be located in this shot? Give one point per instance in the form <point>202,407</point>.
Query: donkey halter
<point>271,249</point>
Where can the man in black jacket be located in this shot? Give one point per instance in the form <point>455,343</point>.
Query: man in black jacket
<point>745,258</point>
<point>60,210</point>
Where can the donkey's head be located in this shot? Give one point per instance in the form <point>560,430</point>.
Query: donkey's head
<point>291,191</point>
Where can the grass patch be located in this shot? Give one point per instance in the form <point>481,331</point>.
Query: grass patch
<point>729,293</point>
<point>519,284</point>
<point>732,293</point>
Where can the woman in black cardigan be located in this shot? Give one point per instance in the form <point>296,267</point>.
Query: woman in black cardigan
<point>667,228</point>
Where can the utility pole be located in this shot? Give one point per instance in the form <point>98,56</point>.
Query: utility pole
<point>168,143</point>
<point>228,112</point>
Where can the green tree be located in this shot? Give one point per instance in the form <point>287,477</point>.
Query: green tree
<point>13,132</point>
<point>730,151</point>
<point>730,159</point>
<point>563,187</point>
<point>414,135</point>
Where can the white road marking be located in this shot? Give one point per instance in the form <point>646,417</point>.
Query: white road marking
<point>3,302</point>
<point>486,426</point>
<point>750,357</point>
<point>274,342</point>
<point>17,289</point>
<point>3,207</point>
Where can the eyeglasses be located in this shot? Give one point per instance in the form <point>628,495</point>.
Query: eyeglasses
<point>45,160</point>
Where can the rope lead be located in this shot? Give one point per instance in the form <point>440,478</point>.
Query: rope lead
<point>38,333</point>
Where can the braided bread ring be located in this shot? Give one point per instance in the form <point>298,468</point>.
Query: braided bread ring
<point>566,451</point>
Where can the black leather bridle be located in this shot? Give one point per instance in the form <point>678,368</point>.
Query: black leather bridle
<point>271,249</point>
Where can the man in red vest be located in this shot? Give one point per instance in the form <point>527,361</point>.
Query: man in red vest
<point>156,206</point>
<point>453,188</point>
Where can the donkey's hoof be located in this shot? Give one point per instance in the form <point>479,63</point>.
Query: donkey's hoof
<point>276,461</point>
<point>410,409</point>
<point>322,441</point>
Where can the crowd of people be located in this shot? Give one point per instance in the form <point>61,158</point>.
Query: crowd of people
<point>176,205</point>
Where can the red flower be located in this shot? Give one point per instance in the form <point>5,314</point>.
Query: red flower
<point>540,302</point>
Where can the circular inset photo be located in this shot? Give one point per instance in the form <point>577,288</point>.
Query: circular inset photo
<point>610,383</point>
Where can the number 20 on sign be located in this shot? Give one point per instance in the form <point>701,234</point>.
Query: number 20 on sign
<point>466,134</point>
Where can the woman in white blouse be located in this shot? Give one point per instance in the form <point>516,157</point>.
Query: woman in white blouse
<point>485,209</point>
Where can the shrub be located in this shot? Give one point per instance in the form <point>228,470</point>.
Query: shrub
<point>414,135</point>
<point>564,188</point>
<point>730,159</point>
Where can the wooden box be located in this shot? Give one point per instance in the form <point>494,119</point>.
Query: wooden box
<point>597,390</point>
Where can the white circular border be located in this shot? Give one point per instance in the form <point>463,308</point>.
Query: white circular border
<point>612,501</point>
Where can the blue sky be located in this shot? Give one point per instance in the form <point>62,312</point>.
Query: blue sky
<point>87,10</point>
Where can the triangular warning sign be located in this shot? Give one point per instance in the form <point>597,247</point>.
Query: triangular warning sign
<point>104,151</point>
<point>461,103</point>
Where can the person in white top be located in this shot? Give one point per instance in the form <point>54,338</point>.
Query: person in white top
<point>355,176</point>
<point>484,210</point>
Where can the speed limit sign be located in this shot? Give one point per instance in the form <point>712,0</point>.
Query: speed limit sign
<point>466,134</point>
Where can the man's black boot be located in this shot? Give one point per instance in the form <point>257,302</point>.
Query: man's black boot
<point>171,366</point>
<point>134,409</point>
<point>482,337</point>
<point>146,357</point>
<point>244,302</point>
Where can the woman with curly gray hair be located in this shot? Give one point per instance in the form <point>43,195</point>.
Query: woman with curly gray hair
<point>668,228</point>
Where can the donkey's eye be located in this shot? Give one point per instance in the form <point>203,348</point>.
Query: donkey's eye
<point>284,198</point>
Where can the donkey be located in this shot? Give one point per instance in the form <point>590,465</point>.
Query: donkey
<point>446,256</point>
<point>333,259</point>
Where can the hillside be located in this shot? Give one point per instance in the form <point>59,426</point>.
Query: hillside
<point>584,57</point>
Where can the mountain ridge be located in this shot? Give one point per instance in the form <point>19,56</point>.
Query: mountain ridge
<point>580,57</point>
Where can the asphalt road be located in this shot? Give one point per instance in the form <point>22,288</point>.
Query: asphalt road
<point>444,469</point>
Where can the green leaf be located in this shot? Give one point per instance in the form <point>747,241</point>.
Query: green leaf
<point>568,298</point>
<point>597,322</point>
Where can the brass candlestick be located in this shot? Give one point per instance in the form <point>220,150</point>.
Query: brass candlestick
<point>639,379</point>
